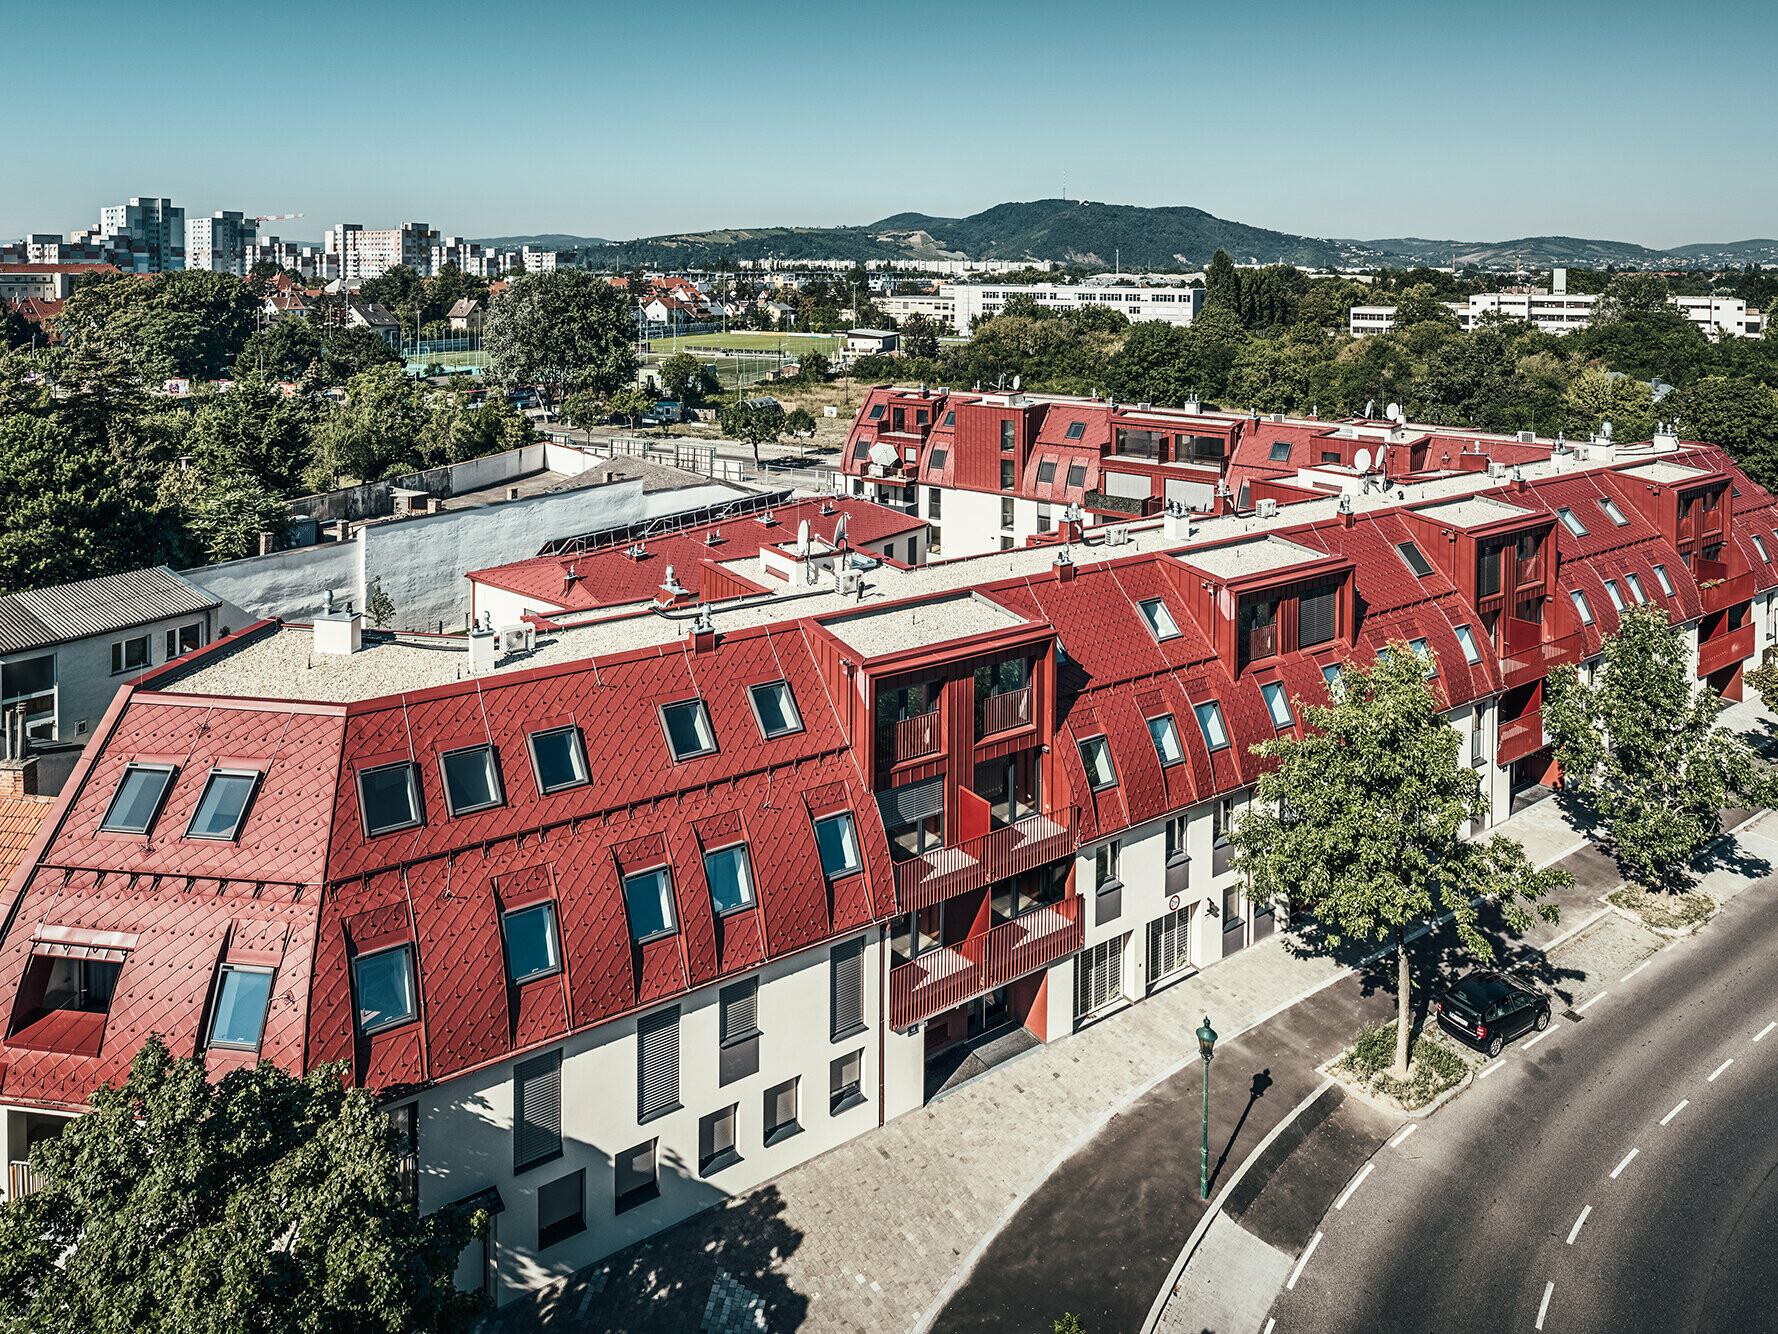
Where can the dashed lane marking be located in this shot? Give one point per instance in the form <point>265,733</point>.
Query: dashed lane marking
<point>1356,1183</point>
<point>1297,1273</point>
<point>1767,1029</point>
<point>1637,969</point>
<point>1412,1126</point>
<point>1270,1323</point>
<point>1493,1066</point>
<point>1539,1038</point>
<point>1621,1166</point>
<point>1591,1000</point>
<point>1719,1069</point>
<point>1574,1231</point>
<point>1543,1308</point>
<point>1683,1104</point>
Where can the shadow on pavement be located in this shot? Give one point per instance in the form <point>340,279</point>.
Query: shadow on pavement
<point>1261,1082</point>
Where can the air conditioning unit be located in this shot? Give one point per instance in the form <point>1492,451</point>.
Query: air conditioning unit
<point>520,638</point>
<point>1497,470</point>
<point>1527,437</point>
<point>1277,416</point>
<point>846,581</point>
<point>1117,535</point>
<point>1266,509</point>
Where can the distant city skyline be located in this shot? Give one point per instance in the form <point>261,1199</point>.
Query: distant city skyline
<point>1371,121</point>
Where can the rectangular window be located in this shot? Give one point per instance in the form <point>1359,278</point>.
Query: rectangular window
<point>1106,858</point>
<point>1077,475</point>
<point>1008,434</point>
<point>716,1141</point>
<point>1423,651</point>
<point>657,1064</point>
<point>1415,561</point>
<point>1008,474</point>
<point>129,655</point>
<point>845,1082</point>
<point>1336,685</point>
<point>1046,471</point>
<point>1216,735</point>
<point>238,1019</point>
<point>138,798</point>
<point>185,639</point>
<point>1277,703</point>
<point>1075,430</point>
<point>774,709</point>
<point>1471,650</point>
<point>1166,739</point>
<point>1662,579</point>
<point>935,502</point>
<point>1043,518</point>
<point>1611,591</point>
<point>1099,977</point>
<point>1317,616</point>
<point>536,1111</point>
<point>471,779</point>
<point>1095,757</point>
<point>1330,456</point>
<point>533,943</point>
<point>636,1181</point>
<point>1280,451</point>
<point>1581,607</point>
<point>404,1121</point>
<point>1569,521</point>
<point>388,798</point>
<point>846,990</point>
<point>730,876</point>
<point>836,838</point>
<point>558,759</point>
<point>384,982</point>
<point>1169,944</point>
<point>876,412</point>
<point>649,898</point>
<point>1760,547</point>
<point>1612,512</point>
<point>1160,621</point>
<point>780,1112</point>
<point>1175,835</point>
<point>1635,587</point>
<point>688,729</point>
<point>939,456</point>
<point>224,803</point>
<point>561,1209</point>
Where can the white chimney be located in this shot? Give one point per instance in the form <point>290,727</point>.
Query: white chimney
<point>1177,524</point>
<point>484,645</point>
<point>338,631</point>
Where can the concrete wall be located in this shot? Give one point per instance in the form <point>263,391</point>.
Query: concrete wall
<point>372,499</point>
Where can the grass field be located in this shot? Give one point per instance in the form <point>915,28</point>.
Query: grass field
<point>793,345</point>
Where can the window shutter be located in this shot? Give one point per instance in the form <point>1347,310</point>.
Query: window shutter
<point>657,1063</point>
<point>847,1011</point>
<point>536,1110</point>
<point>912,802</point>
<point>740,1010</point>
<point>1098,976</point>
<point>1316,616</point>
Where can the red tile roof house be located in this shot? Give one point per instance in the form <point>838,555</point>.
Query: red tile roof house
<point>624,916</point>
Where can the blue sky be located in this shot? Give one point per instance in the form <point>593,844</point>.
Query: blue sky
<point>1628,121</point>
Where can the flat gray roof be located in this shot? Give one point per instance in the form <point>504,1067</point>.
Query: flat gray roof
<point>1659,470</point>
<point>1261,553</point>
<point>890,629</point>
<point>1473,511</point>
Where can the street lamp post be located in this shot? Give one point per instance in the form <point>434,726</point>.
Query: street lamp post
<point>1207,1049</point>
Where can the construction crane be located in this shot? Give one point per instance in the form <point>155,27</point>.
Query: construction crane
<point>277,217</point>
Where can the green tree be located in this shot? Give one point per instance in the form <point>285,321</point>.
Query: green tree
<point>584,408</point>
<point>349,352</point>
<point>1738,414</point>
<point>222,516</point>
<point>564,330</point>
<point>260,1202</point>
<point>814,367</point>
<point>754,422</point>
<point>1642,747</point>
<point>457,432</point>
<point>379,606</point>
<point>376,432</point>
<point>283,350</point>
<point>920,335</point>
<point>1596,396</point>
<point>682,377</point>
<point>798,421</point>
<point>15,329</point>
<point>1360,822</point>
<point>1222,285</point>
<point>256,431</point>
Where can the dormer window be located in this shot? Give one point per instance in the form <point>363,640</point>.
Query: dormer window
<point>1280,451</point>
<point>1612,512</point>
<point>1662,579</point>
<point>1581,607</point>
<point>1095,758</point>
<point>1423,651</point>
<point>936,460</point>
<point>774,709</point>
<point>1046,471</point>
<point>1415,561</point>
<point>951,417</point>
<point>648,898</point>
<point>1472,651</point>
<point>1336,682</point>
<point>138,798</point>
<point>1636,587</point>
<point>1617,598</point>
<point>388,798</point>
<point>237,1019</point>
<point>223,805</point>
<point>1160,621</point>
<point>1166,739</point>
<point>471,779</point>
<point>1760,547</point>
<point>687,725</point>
<point>533,942</point>
<point>1318,616</point>
<point>1570,522</point>
<point>1216,734</point>
<point>1075,430</point>
<point>384,982</point>
<point>1077,475</point>
<point>730,875</point>
<point>836,839</point>
<point>558,759</point>
<point>1277,703</point>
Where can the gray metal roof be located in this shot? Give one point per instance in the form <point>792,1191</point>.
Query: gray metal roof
<point>39,617</point>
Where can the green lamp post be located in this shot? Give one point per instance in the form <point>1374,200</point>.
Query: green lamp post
<point>1206,1049</point>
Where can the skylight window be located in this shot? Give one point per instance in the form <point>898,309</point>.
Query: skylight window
<point>1471,650</point>
<point>1636,588</point>
<point>836,838</point>
<point>649,898</point>
<point>1160,621</point>
<point>1336,683</point>
<point>1760,547</point>
<point>471,779</point>
<point>238,1019</point>
<point>224,803</point>
<point>1617,598</point>
<point>1414,560</point>
<point>774,709</point>
<point>1581,607</point>
<point>1423,651</point>
<point>1570,522</point>
<point>384,982</point>
<point>1612,512</point>
<point>1046,471</point>
<point>1662,579</point>
<point>731,878</point>
<point>1277,703</point>
<point>1095,757</point>
<point>951,417</point>
<point>1166,739</point>
<point>138,798</point>
<point>861,451</point>
<point>1077,474</point>
<point>1076,430</point>
<point>388,798</point>
<point>876,412</point>
<point>533,942</point>
<point>936,460</point>
<point>1216,735</point>
<point>558,759</point>
<point>688,729</point>
<point>1280,451</point>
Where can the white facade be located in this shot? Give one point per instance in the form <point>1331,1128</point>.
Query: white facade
<point>933,307</point>
<point>367,252</point>
<point>1171,305</point>
<point>1719,315</point>
<point>220,243</point>
<point>157,224</point>
<point>1564,312</point>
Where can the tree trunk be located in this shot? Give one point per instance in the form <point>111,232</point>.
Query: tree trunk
<point>1401,1005</point>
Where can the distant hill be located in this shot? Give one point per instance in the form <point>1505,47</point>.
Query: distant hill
<point>543,241</point>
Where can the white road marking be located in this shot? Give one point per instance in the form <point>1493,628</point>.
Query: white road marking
<point>1621,1166</point>
<point>1591,1000</point>
<point>1767,1029</point>
<point>1270,1323</point>
<point>1719,1069</point>
<point>1356,1183</point>
<point>1544,1307</point>
<point>586,1300</point>
<point>1298,1271</point>
<point>1539,1038</point>
<point>1492,1067</point>
<point>1574,1231</point>
<point>1683,1104</point>
<point>1637,969</point>
<point>1396,1142</point>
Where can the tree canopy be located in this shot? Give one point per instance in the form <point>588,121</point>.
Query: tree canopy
<point>566,330</point>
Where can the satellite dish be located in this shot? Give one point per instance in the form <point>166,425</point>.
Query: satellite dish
<point>1394,413</point>
<point>1363,461</point>
<point>1015,384</point>
<point>839,532</point>
<point>802,538</point>
<point>884,454</point>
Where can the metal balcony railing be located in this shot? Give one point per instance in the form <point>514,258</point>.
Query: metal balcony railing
<point>1021,846</point>
<point>1716,590</point>
<point>1725,650</point>
<point>1530,657</point>
<point>942,979</point>
<point>1520,737</point>
<point>908,739</point>
<point>1002,713</point>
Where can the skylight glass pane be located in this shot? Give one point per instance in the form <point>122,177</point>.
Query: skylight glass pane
<point>1415,560</point>
<point>1760,547</point>
<point>1612,512</point>
<point>239,1018</point>
<point>1280,451</point>
<point>688,729</point>
<point>1159,619</point>
<point>385,984</point>
<point>1580,606</point>
<point>1466,637</point>
<point>532,945</point>
<point>649,899</point>
<point>138,797</point>
<point>1571,523</point>
<point>1166,739</point>
<point>730,877</point>
<point>559,757</point>
<point>1076,430</point>
<point>1636,588</point>
<point>1336,685</point>
<point>1216,736</point>
<point>1095,757</point>
<point>776,709</point>
<point>1661,578</point>
<point>837,841</point>
<point>388,798</point>
<point>1046,471</point>
<point>1077,474</point>
<point>1616,597</point>
<point>1277,702</point>
<point>222,805</point>
<point>937,461</point>
<point>471,782</point>
<point>1423,651</point>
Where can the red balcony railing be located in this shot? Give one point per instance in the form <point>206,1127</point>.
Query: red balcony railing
<point>1520,737</point>
<point>1022,846</point>
<point>1530,657</point>
<point>1002,713</point>
<point>908,739</point>
<point>1716,590</point>
<point>944,978</point>
<point>1725,650</point>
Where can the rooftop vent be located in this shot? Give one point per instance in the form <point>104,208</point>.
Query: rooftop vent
<point>768,520</point>
<point>636,551</point>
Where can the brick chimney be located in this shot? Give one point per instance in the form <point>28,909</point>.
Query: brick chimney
<point>18,768</point>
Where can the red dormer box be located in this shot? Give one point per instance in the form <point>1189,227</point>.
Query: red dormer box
<point>1265,597</point>
<point>1692,506</point>
<point>1500,556</point>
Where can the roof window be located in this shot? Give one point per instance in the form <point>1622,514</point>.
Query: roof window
<point>1617,598</point>
<point>138,798</point>
<point>64,1002</point>
<point>1077,474</point>
<point>1160,620</point>
<point>238,1017</point>
<point>1166,739</point>
<point>1571,522</point>
<point>1336,681</point>
<point>1760,547</point>
<point>1075,430</point>
<point>224,804</point>
<point>688,729</point>
<point>384,983</point>
<point>730,874</point>
<point>558,758</point>
<point>1415,561</point>
<point>1472,651</point>
<point>1280,451</point>
<point>1612,512</point>
<point>1662,579</point>
<point>1277,703</point>
<point>1216,734</point>
<point>876,413</point>
<point>1636,587</point>
<point>533,942</point>
<point>951,417</point>
<point>836,838</point>
<point>1046,472</point>
<point>388,798</point>
<point>1423,651</point>
<point>1582,608</point>
<point>774,709</point>
<point>649,897</point>
<point>471,779</point>
<point>1095,756</point>
<point>936,459</point>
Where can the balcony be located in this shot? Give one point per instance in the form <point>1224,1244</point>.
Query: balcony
<point>942,979</point>
<point>1716,590</point>
<point>1022,846</point>
<point>1726,650</point>
<point>1520,737</point>
<point>1530,657</point>
<point>908,739</point>
<point>21,1180</point>
<point>1002,713</point>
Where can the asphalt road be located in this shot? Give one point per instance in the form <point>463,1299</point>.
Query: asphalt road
<point>1622,1174</point>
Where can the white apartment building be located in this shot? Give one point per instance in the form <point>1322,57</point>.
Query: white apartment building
<point>308,260</point>
<point>367,252</point>
<point>472,258</point>
<point>1171,305</point>
<point>1561,312</point>
<point>220,242</point>
<point>1718,315</point>
<point>151,231</point>
<point>932,307</point>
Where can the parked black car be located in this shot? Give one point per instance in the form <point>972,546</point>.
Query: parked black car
<point>1485,1008</point>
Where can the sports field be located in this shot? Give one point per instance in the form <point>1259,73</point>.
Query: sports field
<point>792,345</point>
